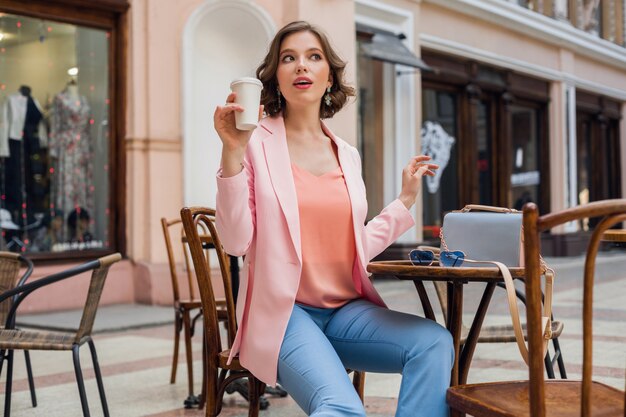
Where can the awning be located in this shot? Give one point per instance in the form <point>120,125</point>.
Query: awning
<point>388,47</point>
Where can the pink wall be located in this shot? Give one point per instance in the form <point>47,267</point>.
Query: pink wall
<point>70,293</point>
<point>154,133</point>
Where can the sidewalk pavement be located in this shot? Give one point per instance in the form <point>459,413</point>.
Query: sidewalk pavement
<point>134,345</point>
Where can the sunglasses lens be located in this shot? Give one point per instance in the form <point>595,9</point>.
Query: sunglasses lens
<point>451,258</point>
<point>421,257</point>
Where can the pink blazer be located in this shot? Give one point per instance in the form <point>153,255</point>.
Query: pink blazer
<point>257,216</point>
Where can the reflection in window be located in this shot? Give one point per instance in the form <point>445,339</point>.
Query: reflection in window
<point>53,136</point>
<point>525,177</point>
<point>484,143</point>
<point>592,17</point>
<point>561,9</point>
<point>439,133</point>
<point>598,160</point>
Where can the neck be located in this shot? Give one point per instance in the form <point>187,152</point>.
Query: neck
<point>303,122</point>
<point>72,90</point>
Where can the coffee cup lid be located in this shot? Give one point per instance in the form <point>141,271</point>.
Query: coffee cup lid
<point>247,80</point>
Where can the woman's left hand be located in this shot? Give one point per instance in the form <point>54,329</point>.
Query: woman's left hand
<point>412,178</point>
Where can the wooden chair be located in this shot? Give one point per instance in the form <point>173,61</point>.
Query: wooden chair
<point>13,339</point>
<point>537,397</point>
<point>218,375</point>
<point>503,333</point>
<point>10,264</point>
<point>183,307</point>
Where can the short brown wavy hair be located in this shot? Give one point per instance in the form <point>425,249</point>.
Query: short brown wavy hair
<point>266,72</point>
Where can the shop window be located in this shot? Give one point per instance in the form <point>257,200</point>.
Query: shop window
<point>55,136</point>
<point>492,128</point>
<point>484,147</point>
<point>598,151</point>
<point>440,141</point>
<point>526,157</point>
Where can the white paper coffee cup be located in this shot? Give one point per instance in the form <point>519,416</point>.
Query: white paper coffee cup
<point>248,91</point>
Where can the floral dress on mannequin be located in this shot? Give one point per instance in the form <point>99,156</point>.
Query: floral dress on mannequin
<point>71,149</point>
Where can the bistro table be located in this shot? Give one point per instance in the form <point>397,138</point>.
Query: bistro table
<point>456,277</point>
<point>615,235</point>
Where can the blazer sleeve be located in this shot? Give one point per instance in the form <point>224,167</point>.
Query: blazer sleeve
<point>235,217</point>
<point>384,229</point>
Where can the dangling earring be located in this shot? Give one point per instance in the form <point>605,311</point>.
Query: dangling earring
<point>280,103</point>
<point>327,97</point>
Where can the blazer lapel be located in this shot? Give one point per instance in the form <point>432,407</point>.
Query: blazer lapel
<point>279,168</point>
<point>353,179</point>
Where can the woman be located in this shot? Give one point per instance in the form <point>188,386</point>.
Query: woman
<point>291,198</point>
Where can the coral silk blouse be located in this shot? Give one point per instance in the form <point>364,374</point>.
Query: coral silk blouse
<point>327,234</point>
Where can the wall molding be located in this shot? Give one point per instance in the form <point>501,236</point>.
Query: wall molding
<point>458,49</point>
<point>153,145</point>
<point>533,24</point>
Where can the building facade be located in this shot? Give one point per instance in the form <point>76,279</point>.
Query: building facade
<point>107,114</point>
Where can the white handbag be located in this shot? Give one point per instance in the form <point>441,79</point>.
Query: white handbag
<point>493,236</point>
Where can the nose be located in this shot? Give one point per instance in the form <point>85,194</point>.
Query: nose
<point>301,66</point>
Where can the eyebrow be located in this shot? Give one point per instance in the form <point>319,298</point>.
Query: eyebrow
<point>284,51</point>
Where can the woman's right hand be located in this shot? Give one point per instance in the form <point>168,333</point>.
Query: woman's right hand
<point>234,141</point>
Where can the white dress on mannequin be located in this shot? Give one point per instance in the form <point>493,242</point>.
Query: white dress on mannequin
<point>72,150</point>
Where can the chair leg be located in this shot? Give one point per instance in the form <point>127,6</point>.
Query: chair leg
<point>255,389</point>
<point>358,380</point>
<point>9,384</point>
<point>31,381</point>
<point>547,361</point>
<point>2,358</point>
<point>177,329</point>
<point>202,396</point>
<point>80,381</point>
<point>96,368</point>
<point>455,413</point>
<point>210,393</point>
<point>559,358</point>
<point>191,400</point>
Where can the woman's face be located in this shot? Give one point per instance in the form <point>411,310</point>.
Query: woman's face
<point>303,71</point>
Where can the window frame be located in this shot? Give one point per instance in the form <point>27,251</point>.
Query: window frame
<point>111,16</point>
<point>473,82</point>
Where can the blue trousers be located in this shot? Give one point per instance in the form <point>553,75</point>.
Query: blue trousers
<point>319,345</point>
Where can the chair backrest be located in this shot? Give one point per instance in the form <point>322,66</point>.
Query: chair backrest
<point>99,267</point>
<point>195,221</point>
<point>10,264</point>
<point>98,277</point>
<point>610,213</point>
<point>168,226</point>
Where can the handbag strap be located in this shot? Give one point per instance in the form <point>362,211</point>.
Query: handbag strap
<point>546,318</point>
<point>480,207</point>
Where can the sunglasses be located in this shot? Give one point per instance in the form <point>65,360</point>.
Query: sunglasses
<point>446,258</point>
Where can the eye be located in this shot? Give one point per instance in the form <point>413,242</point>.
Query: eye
<point>316,57</point>
<point>287,58</point>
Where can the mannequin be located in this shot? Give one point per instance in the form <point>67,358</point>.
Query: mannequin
<point>72,89</point>
<point>22,134</point>
<point>71,149</point>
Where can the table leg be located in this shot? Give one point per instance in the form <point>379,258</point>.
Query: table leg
<point>428,309</point>
<point>455,317</point>
<point>472,338</point>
